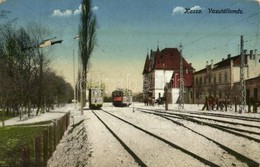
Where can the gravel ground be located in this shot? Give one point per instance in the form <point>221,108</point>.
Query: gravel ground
<point>72,151</point>
<point>88,143</point>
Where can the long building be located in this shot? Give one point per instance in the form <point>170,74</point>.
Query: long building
<point>222,79</point>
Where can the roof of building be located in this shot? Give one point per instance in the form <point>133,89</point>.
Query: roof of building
<point>223,63</point>
<point>146,65</point>
<point>167,59</point>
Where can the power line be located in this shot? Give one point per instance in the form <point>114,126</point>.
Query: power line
<point>225,27</point>
<point>188,32</point>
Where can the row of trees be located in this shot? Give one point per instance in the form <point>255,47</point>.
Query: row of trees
<point>26,79</point>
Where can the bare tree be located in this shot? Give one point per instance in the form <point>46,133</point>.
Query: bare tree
<point>87,40</point>
<point>38,34</point>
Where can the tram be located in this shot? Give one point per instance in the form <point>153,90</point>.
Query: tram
<point>96,98</point>
<point>122,97</point>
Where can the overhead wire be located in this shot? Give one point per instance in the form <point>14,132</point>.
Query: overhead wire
<point>224,27</point>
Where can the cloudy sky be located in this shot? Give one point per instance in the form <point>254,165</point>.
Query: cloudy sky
<point>128,29</point>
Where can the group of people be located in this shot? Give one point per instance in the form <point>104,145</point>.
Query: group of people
<point>150,101</point>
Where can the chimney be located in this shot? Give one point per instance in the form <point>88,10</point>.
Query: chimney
<point>255,53</point>
<point>251,54</point>
<point>229,56</point>
<point>207,63</point>
<point>245,51</point>
<point>211,64</point>
<point>223,59</point>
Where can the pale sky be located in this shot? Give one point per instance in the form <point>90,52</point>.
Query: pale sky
<point>128,29</point>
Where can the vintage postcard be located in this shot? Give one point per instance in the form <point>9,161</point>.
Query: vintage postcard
<point>107,83</point>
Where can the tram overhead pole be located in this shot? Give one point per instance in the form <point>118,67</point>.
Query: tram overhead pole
<point>242,77</point>
<point>181,91</point>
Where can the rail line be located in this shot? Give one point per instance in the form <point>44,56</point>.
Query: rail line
<point>206,118</point>
<point>136,158</point>
<point>230,116</point>
<point>234,131</point>
<point>239,156</point>
<point>225,116</point>
<point>201,159</point>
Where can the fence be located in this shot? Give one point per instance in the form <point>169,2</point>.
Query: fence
<point>45,144</point>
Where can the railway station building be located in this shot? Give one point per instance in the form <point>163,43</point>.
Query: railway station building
<point>222,79</point>
<point>161,72</point>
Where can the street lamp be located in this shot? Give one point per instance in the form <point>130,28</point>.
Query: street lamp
<point>74,82</point>
<point>81,76</point>
<point>46,43</point>
<point>49,42</point>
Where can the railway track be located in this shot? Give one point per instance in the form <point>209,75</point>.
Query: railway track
<point>154,136</point>
<point>173,116</point>
<point>226,127</point>
<point>136,158</point>
<point>230,151</point>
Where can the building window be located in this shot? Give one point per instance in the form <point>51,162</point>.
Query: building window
<point>220,78</point>
<point>200,80</point>
<point>209,79</point>
<point>225,77</point>
<point>215,79</point>
<point>196,81</point>
<point>205,80</point>
<point>255,93</point>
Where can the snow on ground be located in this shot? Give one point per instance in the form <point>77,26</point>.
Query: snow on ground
<point>41,117</point>
<point>72,149</point>
<point>105,150</point>
<point>152,151</point>
<point>88,143</point>
<point>155,153</point>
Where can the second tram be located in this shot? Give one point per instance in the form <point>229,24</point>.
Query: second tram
<point>122,97</point>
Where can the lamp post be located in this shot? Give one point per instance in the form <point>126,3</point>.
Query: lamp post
<point>81,80</point>
<point>74,82</point>
<point>43,44</point>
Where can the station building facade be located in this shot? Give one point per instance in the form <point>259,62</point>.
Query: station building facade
<point>223,78</point>
<point>161,71</point>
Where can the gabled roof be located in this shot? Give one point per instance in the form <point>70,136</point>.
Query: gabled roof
<point>146,65</point>
<point>224,63</point>
<point>167,59</point>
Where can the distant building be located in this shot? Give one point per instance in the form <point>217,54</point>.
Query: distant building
<point>161,69</point>
<point>252,88</point>
<point>218,79</point>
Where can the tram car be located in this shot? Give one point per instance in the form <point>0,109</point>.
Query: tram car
<point>122,98</point>
<point>96,98</point>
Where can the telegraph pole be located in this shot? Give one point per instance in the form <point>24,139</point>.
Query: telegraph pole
<point>181,91</point>
<point>242,77</point>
